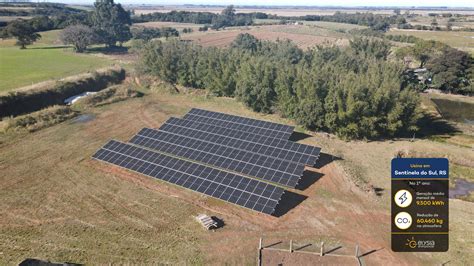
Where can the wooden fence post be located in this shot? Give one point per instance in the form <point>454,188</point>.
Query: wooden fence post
<point>259,258</point>
<point>291,246</point>
<point>357,251</point>
<point>321,252</point>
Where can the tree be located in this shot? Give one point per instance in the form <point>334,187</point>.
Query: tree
<point>246,42</point>
<point>111,22</point>
<point>451,70</point>
<point>80,36</point>
<point>23,32</point>
<point>380,49</point>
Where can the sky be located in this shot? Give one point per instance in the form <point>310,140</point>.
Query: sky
<point>427,3</point>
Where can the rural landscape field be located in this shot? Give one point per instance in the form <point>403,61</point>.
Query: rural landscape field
<point>365,85</point>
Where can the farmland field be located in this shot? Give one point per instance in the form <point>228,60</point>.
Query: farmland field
<point>46,59</point>
<point>83,211</point>
<point>462,40</point>
<point>176,25</point>
<point>284,11</point>
<point>303,36</point>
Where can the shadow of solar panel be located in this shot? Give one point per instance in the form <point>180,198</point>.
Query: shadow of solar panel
<point>241,123</point>
<point>240,190</point>
<point>276,152</point>
<point>268,168</point>
<point>256,138</point>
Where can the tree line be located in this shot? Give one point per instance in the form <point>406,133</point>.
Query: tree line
<point>354,92</point>
<point>227,18</point>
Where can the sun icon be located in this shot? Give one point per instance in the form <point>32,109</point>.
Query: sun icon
<point>411,242</point>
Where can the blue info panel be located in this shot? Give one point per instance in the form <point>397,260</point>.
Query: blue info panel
<point>420,199</point>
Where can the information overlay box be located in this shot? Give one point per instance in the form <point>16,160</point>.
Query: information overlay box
<point>420,198</point>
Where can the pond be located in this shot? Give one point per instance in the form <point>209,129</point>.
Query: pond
<point>83,118</point>
<point>462,188</point>
<point>457,111</point>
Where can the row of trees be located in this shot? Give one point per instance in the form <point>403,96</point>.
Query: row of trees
<point>227,18</point>
<point>354,92</point>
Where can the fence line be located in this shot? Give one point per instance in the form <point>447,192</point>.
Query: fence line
<point>321,252</point>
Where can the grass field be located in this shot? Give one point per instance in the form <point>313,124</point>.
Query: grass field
<point>58,204</point>
<point>44,60</point>
<point>462,40</point>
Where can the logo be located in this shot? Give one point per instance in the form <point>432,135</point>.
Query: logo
<point>403,198</point>
<point>411,243</point>
<point>403,220</point>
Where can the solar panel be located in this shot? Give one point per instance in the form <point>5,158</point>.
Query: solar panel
<point>258,148</point>
<point>240,123</point>
<point>262,139</point>
<point>257,165</point>
<point>243,191</point>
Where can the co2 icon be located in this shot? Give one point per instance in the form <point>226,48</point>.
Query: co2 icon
<point>403,198</point>
<point>403,220</point>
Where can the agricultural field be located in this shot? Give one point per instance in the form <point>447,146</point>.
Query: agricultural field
<point>162,24</point>
<point>285,11</point>
<point>458,23</point>
<point>46,59</point>
<point>302,35</point>
<point>83,211</point>
<point>462,40</point>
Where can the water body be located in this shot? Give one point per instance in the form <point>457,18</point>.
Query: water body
<point>457,111</point>
<point>462,188</point>
<point>83,118</point>
<point>75,98</point>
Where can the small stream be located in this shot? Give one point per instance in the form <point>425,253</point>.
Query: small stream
<point>462,188</point>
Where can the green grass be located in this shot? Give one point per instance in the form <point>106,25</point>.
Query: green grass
<point>462,40</point>
<point>44,60</point>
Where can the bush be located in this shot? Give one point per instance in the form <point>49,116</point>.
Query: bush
<point>40,119</point>
<point>110,95</point>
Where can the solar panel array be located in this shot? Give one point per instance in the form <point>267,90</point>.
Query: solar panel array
<point>272,169</point>
<point>240,160</point>
<point>250,193</point>
<point>311,152</point>
<point>284,154</point>
<point>238,126</point>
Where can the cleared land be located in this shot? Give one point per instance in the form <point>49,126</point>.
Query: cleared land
<point>302,35</point>
<point>60,205</point>
<point>46,59</point>
<point>462,40</point>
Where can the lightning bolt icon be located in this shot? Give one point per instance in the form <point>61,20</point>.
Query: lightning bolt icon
<point>403,197</point>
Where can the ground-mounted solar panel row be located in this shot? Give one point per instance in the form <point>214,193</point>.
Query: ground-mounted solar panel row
<point>256,138</point>
<point>258,148</point>
<point>268,168</point>
<point>243,191</point>
<point>238,126</point>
